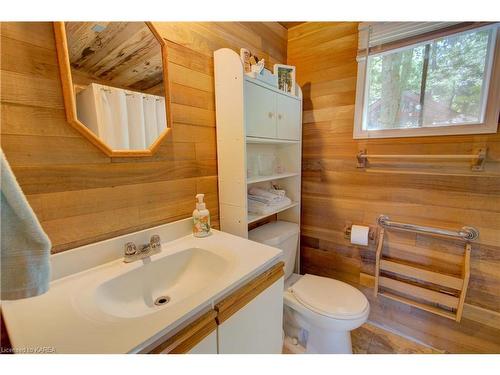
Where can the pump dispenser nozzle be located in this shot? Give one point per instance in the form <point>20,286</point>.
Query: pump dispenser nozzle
<point>200,205</point>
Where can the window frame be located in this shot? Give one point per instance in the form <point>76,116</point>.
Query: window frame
<point>490,121</point>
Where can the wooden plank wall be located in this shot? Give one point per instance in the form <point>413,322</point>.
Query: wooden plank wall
<point>79,194</point>
<point>443,194</point>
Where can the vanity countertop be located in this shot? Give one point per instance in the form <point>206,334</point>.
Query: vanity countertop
<point>76,316</point>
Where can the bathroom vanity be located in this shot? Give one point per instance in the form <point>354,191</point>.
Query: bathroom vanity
<point>219,294</point>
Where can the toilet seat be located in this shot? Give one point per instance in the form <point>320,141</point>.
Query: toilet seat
<point>329,297</point>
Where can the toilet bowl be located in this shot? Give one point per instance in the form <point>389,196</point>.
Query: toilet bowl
<point>327,309</point>
<point>319,312</point>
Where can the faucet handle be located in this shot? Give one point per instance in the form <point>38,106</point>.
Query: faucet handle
<point>155,242</point>
<point>130,249</point>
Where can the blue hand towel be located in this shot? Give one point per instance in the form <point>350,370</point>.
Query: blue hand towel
<point>25,248</point>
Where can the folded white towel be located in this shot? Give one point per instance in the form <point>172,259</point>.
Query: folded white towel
<point>264,209</point>
<point>269,202</point>
<point>25,248</point>
<point>268,195</point>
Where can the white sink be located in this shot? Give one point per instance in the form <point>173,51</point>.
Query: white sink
<point>169,280</point>
<point>108,305</point>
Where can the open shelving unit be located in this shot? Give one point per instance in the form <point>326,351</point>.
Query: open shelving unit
<point>253,218</point>
<point>273,177</point>
<point>254,118</point>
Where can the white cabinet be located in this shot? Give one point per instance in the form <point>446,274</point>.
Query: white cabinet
<point>288,114</point>
<point>206,346</point>
<point>257,327</point>
<point>249,320</point>
<point>260,111</point>
<point>269,114</point>
<point>259,129</point>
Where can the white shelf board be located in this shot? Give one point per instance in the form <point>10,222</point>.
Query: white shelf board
<point>253,180</point>
<point>252,218</point>
<point>274,141</point>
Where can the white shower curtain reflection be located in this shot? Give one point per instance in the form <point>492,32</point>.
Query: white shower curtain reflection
<point>113,127</point>
<point>135,112</point>
<point>123,119</point>
<point>149,103</point>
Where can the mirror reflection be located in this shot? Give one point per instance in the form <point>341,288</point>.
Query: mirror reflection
<point>117,73</point>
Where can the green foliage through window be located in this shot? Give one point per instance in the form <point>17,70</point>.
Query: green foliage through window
<point>441,82</point>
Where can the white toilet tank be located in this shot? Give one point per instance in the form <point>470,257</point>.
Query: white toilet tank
<point>283,235</point>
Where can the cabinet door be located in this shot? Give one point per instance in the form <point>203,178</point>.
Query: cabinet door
<point>288,116</point>
<point>206,346</point>
<point>260,111</point>
<point>257,328</point>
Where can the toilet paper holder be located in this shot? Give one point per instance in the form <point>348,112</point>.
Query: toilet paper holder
<point>372,231</point>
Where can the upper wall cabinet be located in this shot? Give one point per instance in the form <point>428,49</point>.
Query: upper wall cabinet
<point>271,114</point>
<point>288,113</point>
<point>115,84</point>
<point>260,111</point>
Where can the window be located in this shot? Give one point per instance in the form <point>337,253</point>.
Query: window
<point>445,84</point>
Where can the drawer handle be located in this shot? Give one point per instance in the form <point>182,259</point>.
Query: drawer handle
<point>280,116</point>
<point>270,114</point>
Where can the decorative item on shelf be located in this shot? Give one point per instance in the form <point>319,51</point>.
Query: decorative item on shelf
<point>252,166</point>
<point>245,59</point>
<point>266,163</point>
<point>286,78</point>
<point>279,167</point>
<point>253,60</point>
<point>265,76</point>
<point>250,61</point>
<point>258,67</point>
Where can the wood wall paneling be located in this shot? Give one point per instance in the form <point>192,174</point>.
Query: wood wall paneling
<point>79,194</point>
<point>82,196</point>
<point>446,195</point>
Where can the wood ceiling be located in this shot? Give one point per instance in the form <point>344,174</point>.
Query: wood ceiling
<point>121,54</point>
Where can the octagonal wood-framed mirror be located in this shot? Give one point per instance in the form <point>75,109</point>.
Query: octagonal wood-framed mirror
<point>114,78</point>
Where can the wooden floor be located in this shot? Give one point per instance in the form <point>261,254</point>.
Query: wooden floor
<point>369,339</point>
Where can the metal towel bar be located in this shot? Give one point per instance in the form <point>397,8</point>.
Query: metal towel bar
<point>466,233</point>
<point>479,158</point>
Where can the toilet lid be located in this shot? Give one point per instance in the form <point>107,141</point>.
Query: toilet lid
<point>329,297</point>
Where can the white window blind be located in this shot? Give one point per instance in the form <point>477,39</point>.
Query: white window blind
<point>373,34</point>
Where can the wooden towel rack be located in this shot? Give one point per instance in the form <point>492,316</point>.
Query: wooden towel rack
<point>478,158</point>
<point>447,295</point>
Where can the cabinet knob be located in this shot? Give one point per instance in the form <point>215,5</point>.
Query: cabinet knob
<point>280,116</point>
<point>270,114</point>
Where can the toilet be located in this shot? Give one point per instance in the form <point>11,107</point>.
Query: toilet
<point>319,312</point>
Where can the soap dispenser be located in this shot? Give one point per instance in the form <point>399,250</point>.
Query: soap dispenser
<point>201,218</point>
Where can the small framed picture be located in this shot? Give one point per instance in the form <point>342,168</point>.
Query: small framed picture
<point>286,78</point>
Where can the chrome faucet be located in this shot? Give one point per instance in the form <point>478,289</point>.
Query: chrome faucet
<point>132,253</point>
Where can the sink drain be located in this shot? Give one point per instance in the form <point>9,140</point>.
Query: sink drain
<point>160,301</point>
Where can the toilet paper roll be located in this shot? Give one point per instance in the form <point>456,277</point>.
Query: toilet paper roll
<point>359,235</point>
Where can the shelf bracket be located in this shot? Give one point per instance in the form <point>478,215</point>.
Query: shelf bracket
<point>361,158</point>
<point>480,160</point>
